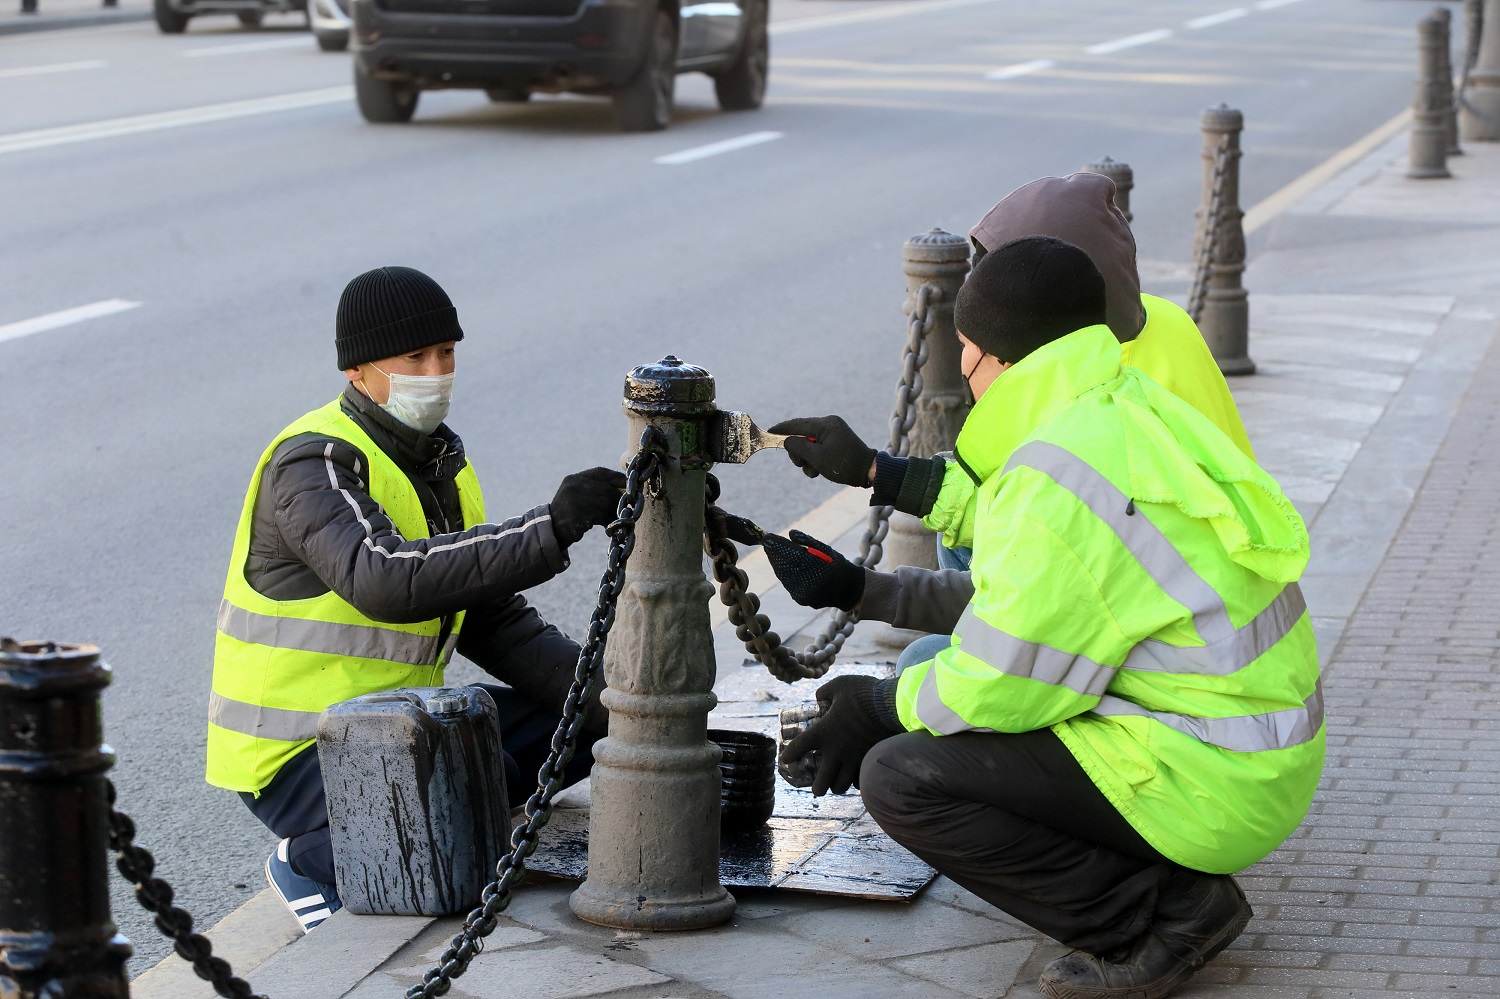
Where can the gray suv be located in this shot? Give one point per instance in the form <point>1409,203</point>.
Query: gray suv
<point>629,50</point>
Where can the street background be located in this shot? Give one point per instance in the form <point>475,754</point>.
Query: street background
<point>237,214</point>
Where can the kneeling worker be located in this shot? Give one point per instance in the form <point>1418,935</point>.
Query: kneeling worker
<point>1129,709</point>
<point>363,559</point>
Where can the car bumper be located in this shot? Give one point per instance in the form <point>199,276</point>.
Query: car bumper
<point>598,46</point>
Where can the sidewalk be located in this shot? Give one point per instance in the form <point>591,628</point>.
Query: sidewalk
<point>1374,302</point>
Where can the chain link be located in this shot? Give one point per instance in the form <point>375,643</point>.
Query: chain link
<point>137,866</point>
<point>754,628</point>
<point>1198,296</point>
<point>640,479</point>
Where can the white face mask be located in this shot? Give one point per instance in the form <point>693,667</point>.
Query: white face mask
<point>419,401</point>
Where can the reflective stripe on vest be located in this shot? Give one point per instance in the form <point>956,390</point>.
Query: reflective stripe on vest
<point>1226,649</point>
<point>1241,733</point>
<point>253,720</point>
<point>352,640</point>
<point>1016,657</point>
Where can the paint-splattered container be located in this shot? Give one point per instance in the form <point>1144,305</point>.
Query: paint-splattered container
<point>417,808</point>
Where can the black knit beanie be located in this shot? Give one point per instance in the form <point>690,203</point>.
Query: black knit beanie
<point>390,311</point>
<point>1027,293</point>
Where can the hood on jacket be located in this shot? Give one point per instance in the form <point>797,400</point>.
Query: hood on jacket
<point>1079,209</point>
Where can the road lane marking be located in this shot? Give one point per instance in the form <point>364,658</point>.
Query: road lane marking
<point>715,148</point>
<point>17,142</point>
<point>874,14</point>
<point>1020,69</point>
<point>56,67</point>
<point>1273,4</point>
<point>274,43</point>
<point>1129,41</point>
<point>67,317</point>
<point>1208,21</point>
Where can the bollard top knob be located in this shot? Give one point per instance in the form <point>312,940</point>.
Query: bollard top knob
<point>936,246</point>
<point>1222,119</point>
<point>50,669</point>
<point>671,385</point>
<point>1111,168</point>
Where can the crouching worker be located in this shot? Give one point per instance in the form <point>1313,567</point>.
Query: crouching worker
<point>1129,708</point>
<point>363,559</point>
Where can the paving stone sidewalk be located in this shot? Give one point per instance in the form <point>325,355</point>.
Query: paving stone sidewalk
<point>1374,314</point>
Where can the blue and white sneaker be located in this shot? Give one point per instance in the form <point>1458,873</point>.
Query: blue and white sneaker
<point>310,901</point>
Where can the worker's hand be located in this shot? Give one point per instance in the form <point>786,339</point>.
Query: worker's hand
<point>853,720</point>
<point>586,499</point>
<point>720,523</point>
<point>813,573</point>
<point>824,445</point>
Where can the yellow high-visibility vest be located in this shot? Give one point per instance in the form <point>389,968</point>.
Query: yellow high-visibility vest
<point>279,663</point>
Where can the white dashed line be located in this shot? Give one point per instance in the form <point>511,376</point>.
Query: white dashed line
<point>1020,69</point>
<point>715,148</point>
<point>1129,41</point>
<point>17,142</point>
<point>67,317</point>
<point>56,67</point>
<point>297,41</point>
<point>802,24</point>
<point>1273,4</point>
<point>1232,14</point>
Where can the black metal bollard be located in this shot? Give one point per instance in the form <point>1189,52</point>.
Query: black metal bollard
<point>57,940</point>
<point>28,6</point>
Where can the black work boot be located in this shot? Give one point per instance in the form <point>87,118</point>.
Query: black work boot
<point>1197,916</point>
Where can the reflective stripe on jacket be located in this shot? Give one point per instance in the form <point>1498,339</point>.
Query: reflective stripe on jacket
<point>1135,590</point>
<point>279,663</point>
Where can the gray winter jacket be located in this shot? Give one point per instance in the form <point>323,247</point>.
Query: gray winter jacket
<point>315,528</point>
<point>921,599</point>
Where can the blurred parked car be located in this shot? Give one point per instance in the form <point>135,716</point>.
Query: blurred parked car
<point>172,16</point>
<point>330,23</point>
<point>630,50</point>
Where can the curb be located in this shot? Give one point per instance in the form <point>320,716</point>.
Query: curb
<point>22,24</point>
<point>247,938</point>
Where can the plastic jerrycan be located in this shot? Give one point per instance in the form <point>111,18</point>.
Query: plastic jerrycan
<point>417,808</point>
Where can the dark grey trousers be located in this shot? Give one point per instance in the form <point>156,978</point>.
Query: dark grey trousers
<point>1015,820</point>
<point>293,804</point>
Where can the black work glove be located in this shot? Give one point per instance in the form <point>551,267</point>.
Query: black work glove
<point>824,445</point>
<point>817,578</point>
<point>585,499</point>
<point>858,712</point>
<point>720,523</point>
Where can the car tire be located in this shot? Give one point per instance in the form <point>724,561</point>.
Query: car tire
<point>171,22</point>
<point>251,18</point>
<point>508,94</point>
<point>742,87</point>
<point>645,103</point>
<point>332,41</point>
<point>383,101</point>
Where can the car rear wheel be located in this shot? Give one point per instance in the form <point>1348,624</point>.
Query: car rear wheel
<point>742,87</point>
<point>171,22</point>
<point>333,41</point>
<point>383,101</point>
<point>251,18</point>
<point>645,103</point>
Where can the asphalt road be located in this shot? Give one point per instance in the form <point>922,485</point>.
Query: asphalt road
<point>234,214</point>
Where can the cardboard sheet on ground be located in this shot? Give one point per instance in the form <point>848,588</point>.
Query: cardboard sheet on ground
<point>828,845</point>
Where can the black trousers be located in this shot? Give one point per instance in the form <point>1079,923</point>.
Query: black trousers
<point>1015,820</point>
<point>293,804</point>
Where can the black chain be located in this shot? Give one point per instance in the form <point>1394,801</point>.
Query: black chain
<point>1203,272</point>
<point>155,895</point>
<point>480,923</point>
<point>754,628</point>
